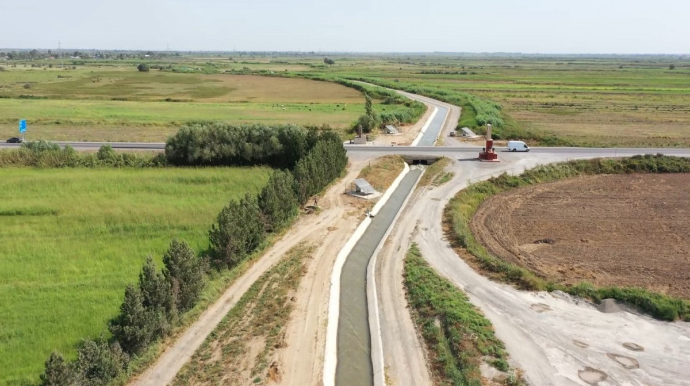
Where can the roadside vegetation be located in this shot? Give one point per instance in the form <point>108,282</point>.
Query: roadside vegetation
<point>383,171</point>
<point>457,337</point>
<point>435,175</point>
<point>462,207</point>
<point>42,154</point>
<point>241,350</point>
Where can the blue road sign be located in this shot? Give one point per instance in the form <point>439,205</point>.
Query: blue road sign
<point>22,126</point>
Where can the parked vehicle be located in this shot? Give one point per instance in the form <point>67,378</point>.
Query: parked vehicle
<point>15,140</point>
<point>517,146</point>
<point>453,134</point>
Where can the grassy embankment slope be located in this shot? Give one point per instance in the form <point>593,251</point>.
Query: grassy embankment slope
<point>74,238</point>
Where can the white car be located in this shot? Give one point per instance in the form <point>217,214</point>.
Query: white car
<point>517,146</point>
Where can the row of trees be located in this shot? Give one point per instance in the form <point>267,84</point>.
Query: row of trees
<point>153,306</point>
<point>242,226</point>
<point>222,144</point>
<point>149,311</point>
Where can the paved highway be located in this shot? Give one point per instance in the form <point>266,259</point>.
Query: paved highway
<point>369,150</point>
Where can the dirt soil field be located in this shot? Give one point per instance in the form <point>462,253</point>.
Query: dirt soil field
<point>622,230</point>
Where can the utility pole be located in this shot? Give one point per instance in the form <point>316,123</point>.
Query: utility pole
<point>168,49</point>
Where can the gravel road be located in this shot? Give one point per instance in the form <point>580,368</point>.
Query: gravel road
<point>556,340</point>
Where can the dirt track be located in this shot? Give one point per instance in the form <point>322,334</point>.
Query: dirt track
<point>623,230</point>
<point>555,339</point>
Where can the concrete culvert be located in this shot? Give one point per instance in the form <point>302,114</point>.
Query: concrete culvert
<point>420,159</point>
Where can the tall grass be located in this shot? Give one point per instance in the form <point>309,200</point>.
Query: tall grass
<point>457,336</point>
<point>463,206</point>
<point>476,112</point>
<point>72,239</point>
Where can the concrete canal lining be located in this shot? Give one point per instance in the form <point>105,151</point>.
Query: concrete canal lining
<point>354,365</point>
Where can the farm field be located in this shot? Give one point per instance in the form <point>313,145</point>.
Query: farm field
<point>122,104</point>
<point>592,101</point>
<point>74,238</point>
<point>613,101</point>
<point>608,230</point>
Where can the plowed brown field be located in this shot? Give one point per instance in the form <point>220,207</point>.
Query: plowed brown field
<point>623,230</point>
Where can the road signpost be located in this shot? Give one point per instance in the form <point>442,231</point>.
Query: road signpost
<point>22,128</point>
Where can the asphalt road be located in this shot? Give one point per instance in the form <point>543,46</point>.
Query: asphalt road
<point>372,151</point>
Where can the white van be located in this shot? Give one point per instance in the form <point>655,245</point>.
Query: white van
<point>517,146</point>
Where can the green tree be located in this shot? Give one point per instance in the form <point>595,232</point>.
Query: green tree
<point>135,327</point>
<point>368,105</point>
<point>672,67</point>
<point>157,296</point>
<point>371,119</point>
<point>184,273</point>
<point>238,232</point>
<point>278,201</point>
<point>143,67</point>
<point>329,61</point>
<point>57,372</point>
<point>99,363</point>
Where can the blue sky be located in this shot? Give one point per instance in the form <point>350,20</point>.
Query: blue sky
<point>528,26</point>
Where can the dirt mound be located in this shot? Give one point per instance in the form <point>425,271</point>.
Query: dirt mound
<point>624,230</point>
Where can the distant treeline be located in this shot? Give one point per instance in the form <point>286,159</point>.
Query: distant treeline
<point>441,72</point>
<point>306,161</point>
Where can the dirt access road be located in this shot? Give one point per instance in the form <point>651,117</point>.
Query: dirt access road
<point>556,340</point>
<point>610,230</point>
<point>301,362</point>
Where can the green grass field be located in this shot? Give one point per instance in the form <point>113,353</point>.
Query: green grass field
<point>583,100</point>
<point>122,104</point>
<point>73,238</point>
<point>597,101</point>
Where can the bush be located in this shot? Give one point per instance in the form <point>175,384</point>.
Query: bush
<point>49,155</point>
<point>27,85</point>
<point>329,61</point>
<point>41,146</point>
<point>143,67</point>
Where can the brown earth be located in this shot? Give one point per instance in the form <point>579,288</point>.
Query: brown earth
<point>622,230</point>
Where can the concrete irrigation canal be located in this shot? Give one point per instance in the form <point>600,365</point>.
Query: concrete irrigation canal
<point>354,340</point>
<point>431,134</point>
